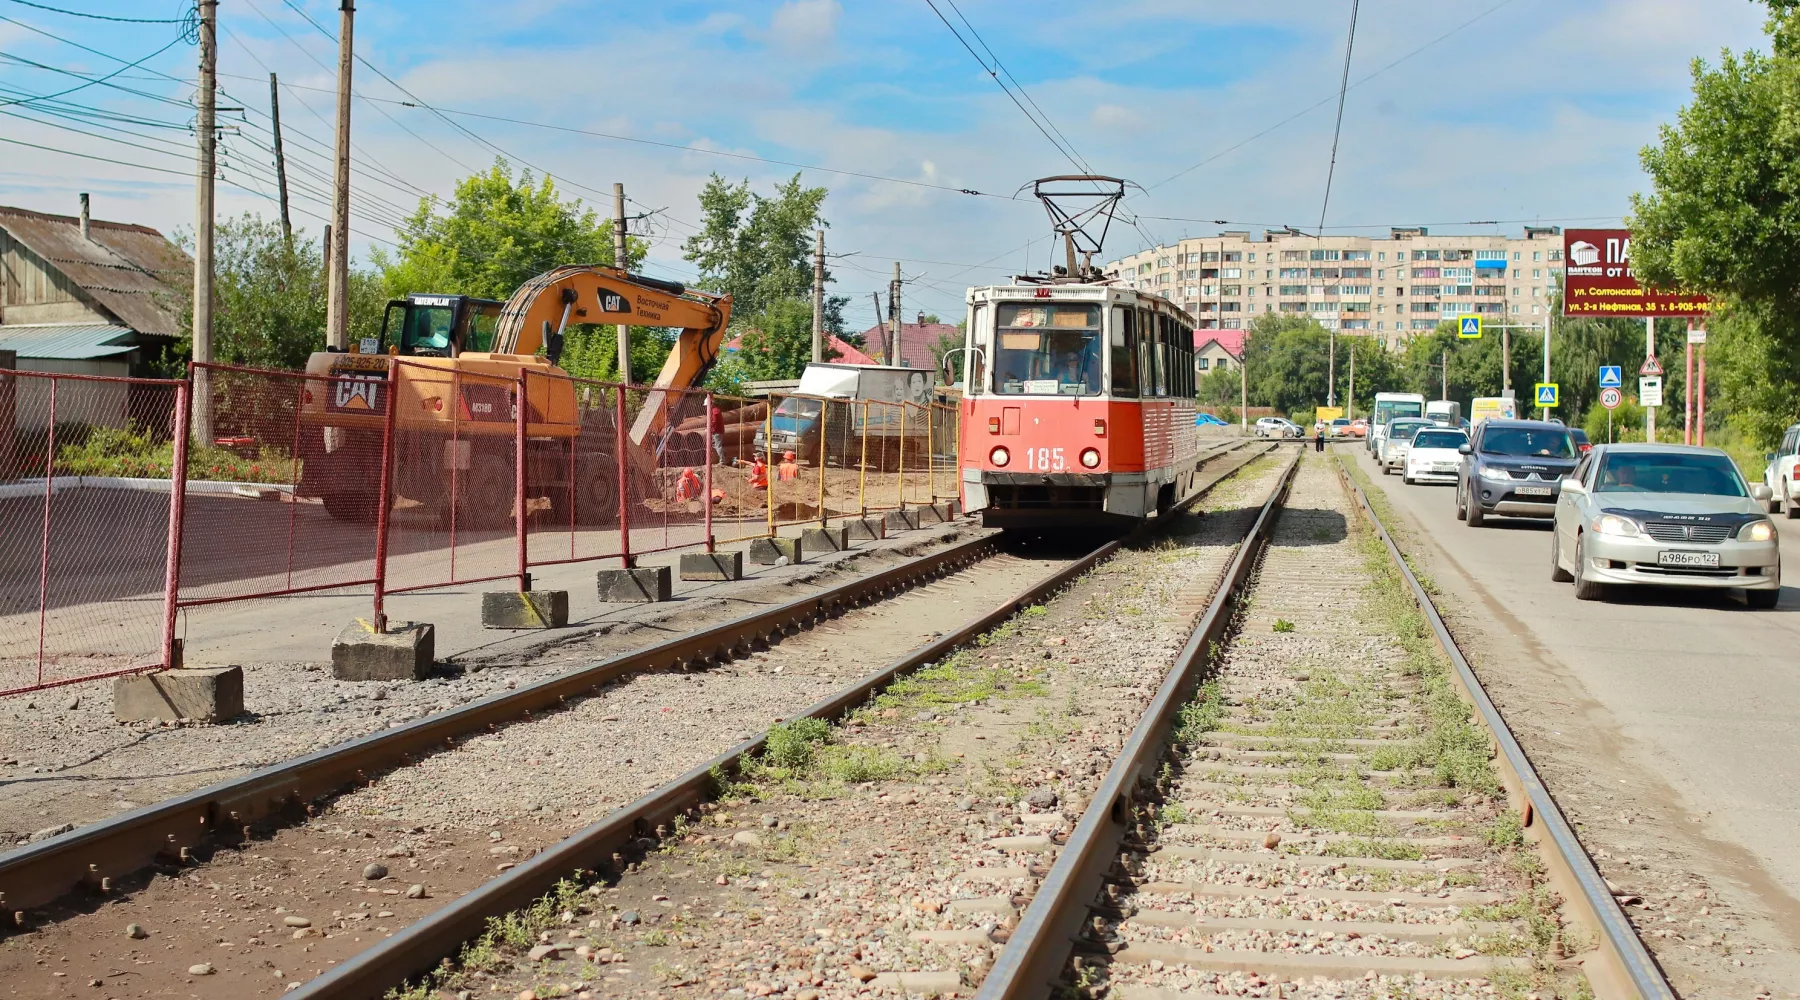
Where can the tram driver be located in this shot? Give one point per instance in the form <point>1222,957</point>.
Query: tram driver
<point>1048,350</point>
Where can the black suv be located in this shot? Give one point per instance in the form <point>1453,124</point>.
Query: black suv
<point>1513,467</point>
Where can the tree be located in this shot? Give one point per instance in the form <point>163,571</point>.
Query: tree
<point>270,297</point>
<point>492,235</point>
<point>760,250</point>
<point>774,343</point>
<point>946,343</point>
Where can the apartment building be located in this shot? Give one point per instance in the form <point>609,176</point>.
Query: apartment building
<point>1390,289</point>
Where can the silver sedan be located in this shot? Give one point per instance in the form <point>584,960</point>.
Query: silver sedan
<point>1664,515</point>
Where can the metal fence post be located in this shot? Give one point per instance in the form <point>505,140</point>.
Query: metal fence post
<point>931,450</point>
<point>824,448</point>
<point>44,552</point>
<point>902,476</point>
<point>707,505</point>
<point>769,476</point>
<point>519,482</point>
<point>862,475</point>
<point>171,658</point>
<point>619,439</point>
<point>381,502</point>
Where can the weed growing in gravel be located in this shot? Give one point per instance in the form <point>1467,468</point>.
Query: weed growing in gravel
<point>794,745</point>
<point>1374,847</point>
<point>1202,714</point>
<point>1283,625</point>
<point>1171,814</point>
<point>514,932</point>
<point>1506,831</point>
<point>1362,822</point>
<point>1036,611</point>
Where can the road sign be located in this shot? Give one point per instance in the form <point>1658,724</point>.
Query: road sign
<point>1612,376</point>
<point>1650,366</point>
<point>1468,327</point>
<point>1650,390</point>
<point>1611,397</point>
<point>1696,334</point>
<point>1546,394</point>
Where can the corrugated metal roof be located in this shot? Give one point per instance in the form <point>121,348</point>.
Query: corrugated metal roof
<point>66,341</point>
<point>130,270</point>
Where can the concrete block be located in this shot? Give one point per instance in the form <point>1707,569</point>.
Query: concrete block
<point>208,694</point>
<point>525,609</point>
<point>825,539</point>
<point>404,652</point>
<point>712,565</point>
<point>638,585</point>
<point>946,512</point>
<point>901,520</point>
<point>955,507</point>
<point>929,514</point>
<point>866,528</point>
<point>766,551</point>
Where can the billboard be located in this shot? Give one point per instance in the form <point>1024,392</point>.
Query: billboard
<point>1598,280</point>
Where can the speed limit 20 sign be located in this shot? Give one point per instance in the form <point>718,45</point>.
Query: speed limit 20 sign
<point>1610,398</point>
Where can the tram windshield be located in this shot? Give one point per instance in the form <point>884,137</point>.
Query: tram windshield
<point>1049,349</point>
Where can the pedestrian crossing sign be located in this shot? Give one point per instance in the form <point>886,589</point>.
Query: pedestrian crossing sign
<point>1468,327</point>
<point>1546,394</point>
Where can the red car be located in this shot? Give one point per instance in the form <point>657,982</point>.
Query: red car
<point>1582,443</point>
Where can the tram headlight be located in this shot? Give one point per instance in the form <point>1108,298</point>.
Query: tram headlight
<point>1090,457</point>
<point>1000,456</point>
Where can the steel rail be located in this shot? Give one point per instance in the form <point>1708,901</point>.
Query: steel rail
<point>224,813</point>
<point>93,857</point>
<point>1031,963</point>
<point>1622,967</point>
<point>424,944</point>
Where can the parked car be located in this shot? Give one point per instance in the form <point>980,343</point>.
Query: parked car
<point>1359,427</point>
<point>1582,444</point>
<point>1280,427</point>
<point>1208,420</point>
<point>1399,436</point>
<point>1782,477</point>
<point>1340,428</point>
<point>1433,456</point>
<point>1514,468</point>
<point>1666,515</point>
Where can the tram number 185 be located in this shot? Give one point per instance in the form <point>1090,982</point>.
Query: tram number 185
<point>1044,459</point>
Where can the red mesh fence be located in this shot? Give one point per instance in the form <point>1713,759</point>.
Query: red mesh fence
<point>741,476</point>
<point>277,502</point>
<point>86,466</point>
<point>572,505</point>
<point>666,453</point>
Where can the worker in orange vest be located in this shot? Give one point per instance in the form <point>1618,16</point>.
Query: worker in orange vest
<point>788,469</point>
<point>688,486</point>
<point>759,474</point>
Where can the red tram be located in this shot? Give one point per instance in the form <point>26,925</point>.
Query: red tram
<point>1078,405</point>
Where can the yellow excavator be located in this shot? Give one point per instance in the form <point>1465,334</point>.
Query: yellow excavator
<point>453,400</point>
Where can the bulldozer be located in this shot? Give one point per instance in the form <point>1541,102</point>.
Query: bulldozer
<point>453,399</point>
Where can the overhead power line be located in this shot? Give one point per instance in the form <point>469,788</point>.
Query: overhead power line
<point>107,17</point>
<point>94,81</point>
<point>1337,130</point>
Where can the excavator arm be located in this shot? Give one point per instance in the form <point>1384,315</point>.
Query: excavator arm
<point>590,293</point>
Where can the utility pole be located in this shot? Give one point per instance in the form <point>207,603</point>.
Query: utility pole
<point>1649,352</point>
<point>818,337</point>
<point>1446,374</point>
<point>1544,411</point>
<point>287,227</point>
<point>205,164</point>
<point>1244,387</point>
<point>1505,360</point>
<point>894,321</point>
<point>1350,397</point>
<point>619,261</point>
<point>337,308</point>
<point>1331,370</point>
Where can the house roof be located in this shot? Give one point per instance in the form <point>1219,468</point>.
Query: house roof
<point>128,270</point>
<point>1231,340</point>
<point>67,341</point>
<point>845,353</point>
<point>915,342</point>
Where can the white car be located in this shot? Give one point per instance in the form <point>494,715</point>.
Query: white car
<point>1395,442</point>
<point>1279,427</point>
<point>1433,457</point>
<point>1782,477</point>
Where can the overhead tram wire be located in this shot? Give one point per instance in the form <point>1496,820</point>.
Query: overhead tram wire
<point>108,17</point>
<point>1337,130</point>
<point>94,82</point>
<point>1303,112</point>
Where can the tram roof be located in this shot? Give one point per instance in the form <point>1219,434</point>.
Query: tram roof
<point>1075,292</point>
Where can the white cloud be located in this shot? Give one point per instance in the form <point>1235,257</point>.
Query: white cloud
<point>807,26</point>
<point>1115,118</point>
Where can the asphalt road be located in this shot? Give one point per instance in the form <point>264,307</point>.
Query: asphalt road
<point>1702,689</point>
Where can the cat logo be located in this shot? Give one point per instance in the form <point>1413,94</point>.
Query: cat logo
<point>613,302</point>
<point>357,393</point>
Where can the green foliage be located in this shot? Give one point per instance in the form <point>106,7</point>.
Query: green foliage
<point>1288,361</point>
<point>774,343</point>
<point>793,745</point>
<point>759,250</point>
<point>134,453</point>
<point>270,297</point>
<point>592,351</point>
<point>492,235</point>
<point>1282,625</point>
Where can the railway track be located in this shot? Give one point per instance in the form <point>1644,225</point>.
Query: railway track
<point>178,833</point>
<point>1322,802</point>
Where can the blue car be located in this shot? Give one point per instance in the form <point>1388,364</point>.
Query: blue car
<point>1208,420</point>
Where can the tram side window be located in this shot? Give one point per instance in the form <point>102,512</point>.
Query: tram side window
<point>1047,349</point>
<point>1146,352</point>
<point>1162,355</point>
<point>1124,352</point>
<point>1184,340</point>
<point>973,366</point>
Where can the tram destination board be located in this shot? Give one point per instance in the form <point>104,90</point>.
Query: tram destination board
<point>1598,280</point>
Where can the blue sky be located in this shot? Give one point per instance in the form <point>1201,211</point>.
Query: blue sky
<point>1535,111</point>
